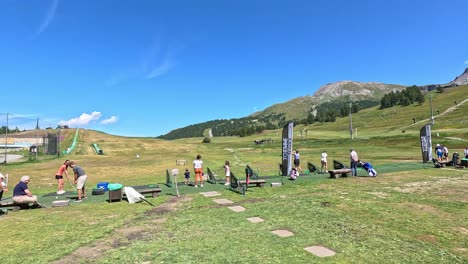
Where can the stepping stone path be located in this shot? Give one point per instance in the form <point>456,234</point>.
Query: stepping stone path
<point>282,233</point>
<point>223,201</point>
<point>210,194</point>
<point>237,208</point>
<point>320,251</point>
<point>255,220</point>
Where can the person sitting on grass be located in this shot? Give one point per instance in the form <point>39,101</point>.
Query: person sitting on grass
<point>22,194</point>
<point>293,174</point>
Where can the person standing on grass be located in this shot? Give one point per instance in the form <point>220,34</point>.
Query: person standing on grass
<point>187,176</point>
<point>59,176</point>
<point>324,162</point>
<point>438,151</point>
<point>445,152</point>
<point>354,159</point>
<point>227,172</point>
<point>198,168</point>
<point>80,180</point>
<point>465,152</point>
<point>297,161</point>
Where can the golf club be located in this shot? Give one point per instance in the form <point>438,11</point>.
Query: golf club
<point>73,186</point>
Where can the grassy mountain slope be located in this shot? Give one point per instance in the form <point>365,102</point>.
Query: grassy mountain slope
<point>298,108</point>
<point>408,208</point>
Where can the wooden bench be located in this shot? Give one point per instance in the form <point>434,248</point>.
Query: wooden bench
<point>335,173</point>
<point>17,206</point>
<point>153,191</point>
<point>211,176</point>
<point>241,185</point>
<point>119,194</point>
<point>13,206</point>
<point>258,183</point>
<point>442,164</point>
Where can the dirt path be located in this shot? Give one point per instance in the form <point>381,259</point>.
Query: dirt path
<point>450,109</point>
<point>150,224</point>
<point>10,157</point>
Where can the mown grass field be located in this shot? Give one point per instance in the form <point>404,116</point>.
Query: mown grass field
<point>410,213</point>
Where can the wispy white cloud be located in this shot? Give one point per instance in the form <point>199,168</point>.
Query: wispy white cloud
<point>49,17</point>
<point>82,120</point>
<point>161,69</point>
<point>110,120</point>
<point>158,60</point>
<point>466,62</point>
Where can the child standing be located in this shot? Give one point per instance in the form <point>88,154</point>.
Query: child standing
<point>227,171</point>
<point>187,176</point>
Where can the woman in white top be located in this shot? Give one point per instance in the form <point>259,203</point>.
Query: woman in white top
<point>197,167</point>
<point>323,161</point>
<point>3,185</point>
<point>227,171</point>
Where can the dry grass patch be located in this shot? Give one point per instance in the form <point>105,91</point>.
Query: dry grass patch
<point>380,194</point>
<point>142,228</point>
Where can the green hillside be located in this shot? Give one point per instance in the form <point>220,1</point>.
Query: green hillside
<point>395,119</point>
<point>410,213</point>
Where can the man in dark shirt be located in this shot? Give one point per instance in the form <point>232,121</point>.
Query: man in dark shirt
<point>22,194</point>
<point>80,180</point>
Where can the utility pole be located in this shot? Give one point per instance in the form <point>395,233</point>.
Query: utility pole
<point>58,142</point>
<point>350,121</point>
<point>6,138</point>
<point>432,112</point>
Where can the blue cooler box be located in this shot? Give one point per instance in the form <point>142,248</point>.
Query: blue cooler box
<point>103,185</point>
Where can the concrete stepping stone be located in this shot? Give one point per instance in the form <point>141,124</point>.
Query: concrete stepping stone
<point>237,208</point>
<point>223,201</point>
<point>210,194</point>
<point>282,233</point>
<point>320,251</point>
<point>255,220</point>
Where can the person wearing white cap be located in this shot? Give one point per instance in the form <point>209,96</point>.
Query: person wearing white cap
<point>22,194</point>
<point>3,185</point>
<point>439,152</point>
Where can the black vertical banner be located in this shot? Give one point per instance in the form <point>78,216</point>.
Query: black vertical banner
<point>287,148</point>
<point>426,143</point>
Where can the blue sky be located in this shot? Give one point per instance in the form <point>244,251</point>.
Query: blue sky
<point>144,68</point>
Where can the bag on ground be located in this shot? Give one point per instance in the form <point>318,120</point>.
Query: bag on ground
<point>132,195</point>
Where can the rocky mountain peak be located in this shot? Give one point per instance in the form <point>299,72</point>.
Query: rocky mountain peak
<point>362,90</point>
<point>462,79</point>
